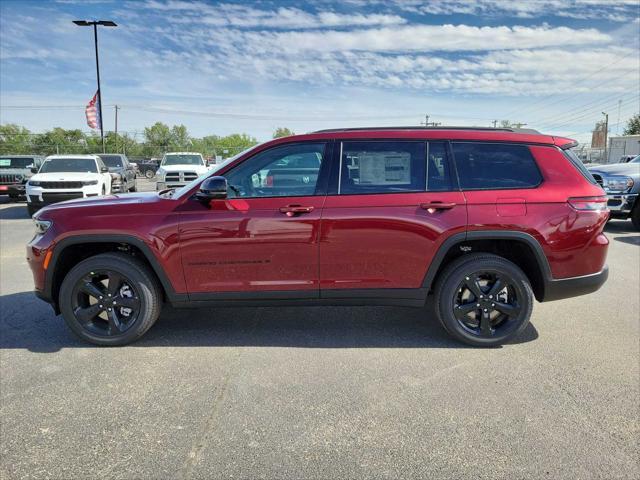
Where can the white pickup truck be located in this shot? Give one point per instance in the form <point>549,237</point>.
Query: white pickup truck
<point>179,168</point>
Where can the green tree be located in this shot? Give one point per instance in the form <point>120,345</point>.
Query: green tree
<point>15,139</point>
<point>234,143</point>
<point>157,139</point>
<point>180,139</point>
<point>282,132</point>
<point>633,125</point>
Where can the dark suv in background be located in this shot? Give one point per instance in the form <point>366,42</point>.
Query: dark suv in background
<point>15,170</point>
<point>484,220</point>
<point>123,173</point>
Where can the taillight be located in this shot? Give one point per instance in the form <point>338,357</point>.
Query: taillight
<point>589,203</point>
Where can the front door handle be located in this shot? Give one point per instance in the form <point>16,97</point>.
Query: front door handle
<point>292,210</point>
<point>433,206</point>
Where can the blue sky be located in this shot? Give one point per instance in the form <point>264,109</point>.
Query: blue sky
<point>224,67</point>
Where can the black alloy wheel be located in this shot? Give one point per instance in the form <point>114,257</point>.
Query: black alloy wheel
<point>483,299</point>
<point>110,299</point>
<point>486,303</point>
<point>106,303</point>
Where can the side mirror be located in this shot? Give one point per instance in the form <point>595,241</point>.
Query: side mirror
<point>33,169</point>
<point>212,188</point>
<point>104,169</point>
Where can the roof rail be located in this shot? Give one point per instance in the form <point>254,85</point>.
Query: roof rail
<point>413,127</point>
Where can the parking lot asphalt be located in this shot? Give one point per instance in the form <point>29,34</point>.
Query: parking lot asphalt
<point>321,392</point>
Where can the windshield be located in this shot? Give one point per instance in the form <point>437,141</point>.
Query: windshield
<point>112,161</point>
<point>635,160</point>
<point>182,190</point>
<point>15,162</point>
<point>182,160</point>
<point>87,165</point>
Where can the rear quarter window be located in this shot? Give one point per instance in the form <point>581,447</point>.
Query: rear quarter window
<point>494,166</point>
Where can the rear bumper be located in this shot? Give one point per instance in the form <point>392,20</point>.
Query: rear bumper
<point>575,286</point>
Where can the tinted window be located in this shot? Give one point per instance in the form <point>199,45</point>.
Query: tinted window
<point>382,167</point>
<point>112,161</point>
<point>495,166</point>
<point>438,174</point>
<point>16,162</point>
<point>286,171</point>
<point>69,165</point>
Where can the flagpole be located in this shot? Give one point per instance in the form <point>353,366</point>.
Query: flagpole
<point>95,38</point>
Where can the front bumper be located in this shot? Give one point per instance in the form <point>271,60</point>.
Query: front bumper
<point>39,197</point>
<point>13,189</point>
<point>621,203</point>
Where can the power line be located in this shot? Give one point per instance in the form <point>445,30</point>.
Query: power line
<point>580,82</point>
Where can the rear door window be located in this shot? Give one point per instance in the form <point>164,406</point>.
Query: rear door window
<point>494,166</point>
<point>382,167</point>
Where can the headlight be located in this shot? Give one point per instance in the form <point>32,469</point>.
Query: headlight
<point>618,184</point>
<point>42,225</point>
<point>116,177</point>
<point>90,182</point>
<point>33,183</point>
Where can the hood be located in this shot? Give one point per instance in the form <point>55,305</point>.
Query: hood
<point>25,172</point>
<point>63,177</point>
<point>627,169</point>
<point>126,199</point>
<point>184,168</point>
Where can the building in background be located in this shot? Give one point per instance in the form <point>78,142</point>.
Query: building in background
<point>622,146</point>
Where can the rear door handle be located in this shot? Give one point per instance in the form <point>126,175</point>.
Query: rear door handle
<point>292,210</point>
<point>433,206</point>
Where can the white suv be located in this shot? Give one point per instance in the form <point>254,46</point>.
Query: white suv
<point>67,177</point>
<point>179,168</point>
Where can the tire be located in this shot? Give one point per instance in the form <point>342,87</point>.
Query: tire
<point>635,216</point>
<point>452,295</point>
<point>136,279</point>
<point>149,174</point>
<point>32,210</point>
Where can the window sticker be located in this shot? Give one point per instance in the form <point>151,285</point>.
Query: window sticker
<point>385,168</point>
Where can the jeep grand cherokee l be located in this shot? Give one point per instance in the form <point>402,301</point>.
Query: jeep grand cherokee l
<point>485,220</point>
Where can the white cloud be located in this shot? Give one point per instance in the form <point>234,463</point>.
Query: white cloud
<point>612,10</point>
<point>243,16</point>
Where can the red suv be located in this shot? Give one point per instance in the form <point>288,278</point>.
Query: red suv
<point>485,220</point>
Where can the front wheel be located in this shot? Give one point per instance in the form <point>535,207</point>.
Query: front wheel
<point>110,299</point>
<point>635,215</point>
<point>483,300</point>
<point>149,174</point>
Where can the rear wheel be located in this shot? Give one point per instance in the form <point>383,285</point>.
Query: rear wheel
<point>110,299</point>
<point>483,300</point>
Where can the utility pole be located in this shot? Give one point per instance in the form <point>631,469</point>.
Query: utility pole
<point>518,124</point>
<point>606,133</point>
<point>618,121</point>
<point>94,24</point>
<point>495,123</point>
<point>429,124</point>
<point>116,108</point>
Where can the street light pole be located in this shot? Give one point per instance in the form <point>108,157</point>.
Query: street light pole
<point>94,24</point>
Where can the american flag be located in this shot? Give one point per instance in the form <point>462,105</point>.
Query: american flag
<point>92,112</point>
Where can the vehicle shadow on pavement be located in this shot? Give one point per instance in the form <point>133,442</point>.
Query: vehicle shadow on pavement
<point>14,212</point>
<point>619,226</point>
<point>635,240</point>
<point>28,323</point>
